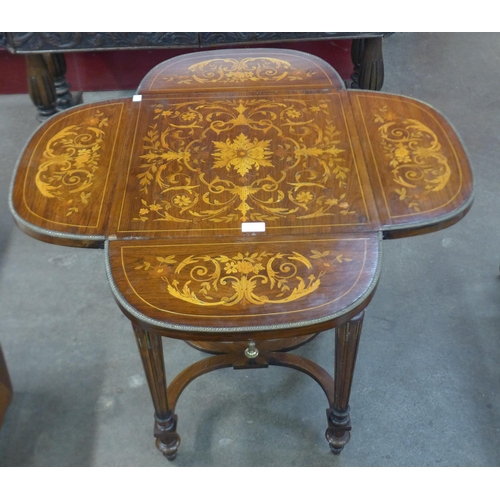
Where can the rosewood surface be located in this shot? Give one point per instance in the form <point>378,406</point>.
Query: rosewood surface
<point>168,182</point>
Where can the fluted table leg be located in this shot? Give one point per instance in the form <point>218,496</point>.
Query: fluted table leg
<point>366,55</point>
<point>41,86</point>
<point>151,351</point>
<point>346,349</point>
<point>56,64</point>
<point>47,85</point>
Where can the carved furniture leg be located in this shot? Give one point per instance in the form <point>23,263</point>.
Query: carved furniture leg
<point>366,54</point>
<point>151,351</point>
<point>56,64</point>
<point>346,349</point>
<point>41,86</point>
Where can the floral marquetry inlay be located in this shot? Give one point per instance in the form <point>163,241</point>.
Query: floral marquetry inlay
<point>248,69</point>
<point>231,161</point>
<point>415,156</point>
<point>242,154</point>
<point>70,162</point>
<point>247,278</point>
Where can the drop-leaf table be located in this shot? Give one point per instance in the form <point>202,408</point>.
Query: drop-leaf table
<point>241,197</point>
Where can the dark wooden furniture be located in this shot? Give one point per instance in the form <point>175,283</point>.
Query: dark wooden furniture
<point>46,66</point>
<point>241,197</point>
<point>5,387</point>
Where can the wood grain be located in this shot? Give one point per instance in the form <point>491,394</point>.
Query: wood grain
<point>202,166</point>
<point>418,168</point>
<point>66,176</point>
<point>197,164</point>
<point>220,285</point>
<point>223,138</point>
<point>233,70</point>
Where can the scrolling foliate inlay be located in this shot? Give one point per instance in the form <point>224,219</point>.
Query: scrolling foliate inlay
<point>243,160</point>
<point>249,278</point>
<point>248,69</point>
<point>70,161</point>
<point>414,154</point>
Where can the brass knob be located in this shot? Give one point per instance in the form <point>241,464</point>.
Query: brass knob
<point>251,351</point>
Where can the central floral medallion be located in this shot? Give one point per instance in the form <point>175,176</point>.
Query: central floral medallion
<point>242,154</point>
<point>252,159</point>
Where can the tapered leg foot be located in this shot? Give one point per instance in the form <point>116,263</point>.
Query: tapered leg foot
<point>346,349</point>
<point>151,351</point>
<point>338,433</point>
<point>167,439</point>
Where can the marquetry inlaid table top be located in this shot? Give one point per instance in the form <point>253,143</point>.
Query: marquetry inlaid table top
<point>241,197</point>
<point>242,190</point>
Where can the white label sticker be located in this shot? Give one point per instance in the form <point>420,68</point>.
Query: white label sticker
<point>253,227</point>
<point>137,98</point>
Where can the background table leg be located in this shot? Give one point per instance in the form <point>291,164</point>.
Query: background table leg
<point>366,55</point>
<point>56,64</point>
<point>41,86</point>
<point>346,349</point>
<point>151,351</point>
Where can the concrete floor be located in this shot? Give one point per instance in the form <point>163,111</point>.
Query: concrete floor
<point>427,384</point>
